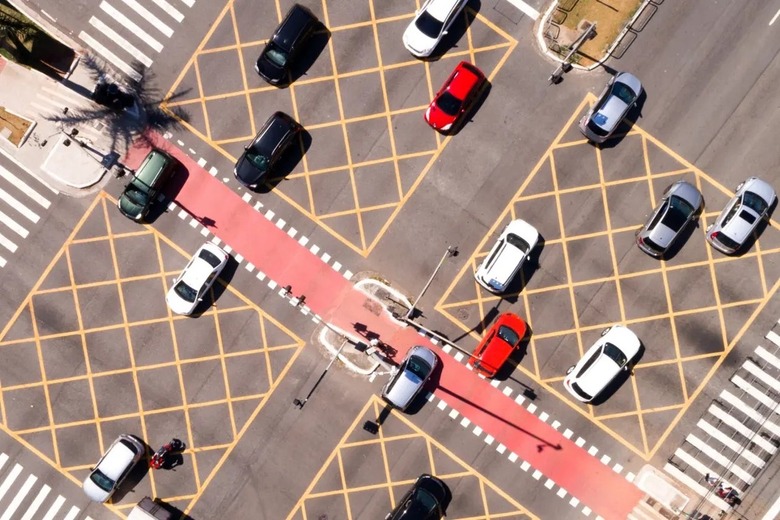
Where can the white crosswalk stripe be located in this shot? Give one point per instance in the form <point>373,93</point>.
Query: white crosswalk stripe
<point>122,32</point>
<point>740,431</point>
<point>17,489</point>
<point>21,200</point>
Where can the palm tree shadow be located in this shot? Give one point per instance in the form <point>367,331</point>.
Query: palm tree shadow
<point>135,125</point>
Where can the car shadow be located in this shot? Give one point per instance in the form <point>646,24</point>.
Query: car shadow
<point>515,358</point>
<point>167,194</point>
<point>219,287</point>
<point>292,157</point>
<point>314,47</point>
<point>135,476</point>
<point>456,31</point>
<point>628,123</point>
<point>468,117</point>
<point>620,380</point>
<point>530,266</point>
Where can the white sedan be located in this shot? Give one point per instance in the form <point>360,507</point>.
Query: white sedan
<point>430,25</point>
<point>112,468</point>
<point>193,282</point>
<point>602,363</point>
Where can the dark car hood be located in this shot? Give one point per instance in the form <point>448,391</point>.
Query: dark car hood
<point>269,70</point>
<point>246,171</point>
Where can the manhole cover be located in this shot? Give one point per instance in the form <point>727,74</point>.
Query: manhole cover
<point>463,314</point>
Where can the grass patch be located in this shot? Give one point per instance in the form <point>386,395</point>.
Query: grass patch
<point>13,127</point>
<point>611,16</point>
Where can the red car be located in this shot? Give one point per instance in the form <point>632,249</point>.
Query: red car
<point>455,97</point>
<point>497,345</point>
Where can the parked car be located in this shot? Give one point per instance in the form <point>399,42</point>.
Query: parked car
<point>455,97</point>
<point>503,338</point>
<point>410,377</point>
<point>424,501</point>
<point>430,25</point>
<point>140,192</point>
<point>618,97</point>
<point>113,467</point>
<point>738,220</point>
<point>285,45</point>
<point>265,150</point>
<point>504,261</point>
<point>679,206</point>
<point>196,278</point>
<point>602,363</point>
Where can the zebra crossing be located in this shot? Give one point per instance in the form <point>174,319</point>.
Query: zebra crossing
<point>19,501</point>
<point>740,431</point>
<point>125,31</point>
<point>21,205</point>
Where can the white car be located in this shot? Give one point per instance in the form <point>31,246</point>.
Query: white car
<point>430,25</point>
<point>112,468</point>
<point>602,363</point>
<point>751,203</point>
<point>504,261</point>
<point>196,278</point>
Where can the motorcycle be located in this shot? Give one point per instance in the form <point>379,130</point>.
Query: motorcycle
<point>176,446</point>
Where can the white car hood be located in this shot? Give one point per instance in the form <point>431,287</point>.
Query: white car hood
<point>416,42</point>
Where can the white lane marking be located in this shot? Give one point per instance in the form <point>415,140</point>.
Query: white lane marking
<point>18,206</point>
<point>42,494</point>
<point>9,480</point>
<point>774,338</point>
<point>719,458</point>
<point>8,244</point>
<point>117,38</point>
<point>736,402</point>
<point>730,443</point>
<point>73,513</point>
<point>24,188</point>
<point>110,56</point>
<point>525,8</point>
<point>54,509</point>
<point>774,511</point>
<point>168,8</point>
<point>13,226</point>
<point>20,495</point>
<point>774,17</point>
<point>758,394</point>
<point>742,429</point>
<point>149,17</point>
<point>189,3</point>
<point>2,262</point>
<point>132,26</point>
<point>3,460</point>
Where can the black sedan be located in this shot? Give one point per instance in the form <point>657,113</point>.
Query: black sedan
<point>424,501</point>
<point>285,45</point>
<point>265,150</point>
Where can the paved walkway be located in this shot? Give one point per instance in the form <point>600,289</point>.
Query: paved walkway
<point>333,298</point>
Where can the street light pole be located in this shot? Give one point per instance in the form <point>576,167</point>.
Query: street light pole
<point>451,251</point>
<point>300,403</point>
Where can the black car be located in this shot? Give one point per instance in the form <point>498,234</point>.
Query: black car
<point>285,45</point>
<point>424,501</point>
<point>268,146</point>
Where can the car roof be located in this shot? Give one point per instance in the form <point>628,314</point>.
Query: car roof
<point>494,353</point>
<point>273,132</point>
<point>464,78</point>
<point>291,28</point>
<point>610,113</point>
<point>408,383</point>
<point>119,456</point>
<point>199,270</point>
<point>439,9</point>
<point>598,375</point>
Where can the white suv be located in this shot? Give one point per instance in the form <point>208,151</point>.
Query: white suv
<point>500,266</point>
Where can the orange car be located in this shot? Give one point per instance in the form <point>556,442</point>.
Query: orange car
<point>497,345</point>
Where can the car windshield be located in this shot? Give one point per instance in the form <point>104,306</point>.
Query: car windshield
<point>754,202</point>
<point>625,94</point>
<point>209,257</point>
<point>427,501</point>
<point>428,25</point>
<point>276,55</point>
<point>185,292</point>
<point>508,335</point>
<point>418,367</point>
<point>449,104</point>
<point>137,197</point>
<point>102,481</point>
<point>581,392</point>
<point>594,127</point>
<point>677,216</point>
<point>518,242</point>
<point>258,160</point>
<point>615,354</point>
<point>726,241</point>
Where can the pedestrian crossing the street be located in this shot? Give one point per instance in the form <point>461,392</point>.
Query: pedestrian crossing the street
<point>739,433</point>
<point>24,497</point>
<point>21,205</point>
<point>126,31</point>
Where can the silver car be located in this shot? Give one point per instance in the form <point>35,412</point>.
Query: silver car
<point>679,206</point>
<point>738,220</point>
<point>410,377</point>
<point>618,97</point>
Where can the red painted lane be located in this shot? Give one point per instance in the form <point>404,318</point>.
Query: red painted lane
<point>330,295</point>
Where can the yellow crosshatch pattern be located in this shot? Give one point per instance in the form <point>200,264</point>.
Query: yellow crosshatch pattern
<point>127,365</point>
<point>365,476</point>
<point>686,336</point>
<point>403,147</point>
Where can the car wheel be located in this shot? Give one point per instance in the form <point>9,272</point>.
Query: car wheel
<point>569,370</point>
<point>604,332</point>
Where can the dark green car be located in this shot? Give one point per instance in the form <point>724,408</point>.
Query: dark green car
<point>140,192</point>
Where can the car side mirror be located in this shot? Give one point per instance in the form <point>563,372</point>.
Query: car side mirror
<point>200,299</point>
<point>445,33</point>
